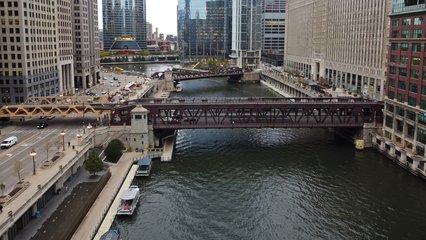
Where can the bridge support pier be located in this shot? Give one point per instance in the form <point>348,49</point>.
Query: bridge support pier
<point>363,137</point>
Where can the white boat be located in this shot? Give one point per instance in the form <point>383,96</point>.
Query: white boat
<point>144,167</point>
<point>178,89</point>
<point>129,201</point>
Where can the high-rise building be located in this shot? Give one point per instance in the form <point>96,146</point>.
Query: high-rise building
<point>247,32</point>
<point>124,18</point>
<point>273,26</point>
<point>339,43</point>
<point>148,31</point>
<point>203,27</point>
<point>36,49</point>
<point>86,44</point>
<point>405,104</point>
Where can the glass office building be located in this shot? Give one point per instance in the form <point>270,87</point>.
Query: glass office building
<point>124,18</point>
<point>204,27</point>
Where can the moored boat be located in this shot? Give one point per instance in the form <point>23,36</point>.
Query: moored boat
<point>112,234</point>
<point>129,201</point>
<point>144,167</point>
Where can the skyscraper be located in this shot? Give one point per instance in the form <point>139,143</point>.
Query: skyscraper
<point>86,44</point>
<point>124,18</point>
<point>339,43</point>
<point>247,32</point>
<point>148,31</point>
<point>405,104</point>
<point>203,27</point>
<point>273,26</point>
<point>36,49</point>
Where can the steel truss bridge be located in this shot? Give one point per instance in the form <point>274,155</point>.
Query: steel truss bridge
<point>58,106</point>
<point>196,113</point>
<point>177,76</point>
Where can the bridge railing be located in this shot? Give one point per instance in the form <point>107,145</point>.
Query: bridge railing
<point>199,100</point>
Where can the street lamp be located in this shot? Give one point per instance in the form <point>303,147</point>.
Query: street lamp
<point>33,154</point>
<point>63,139</point>
<point>84,128</point>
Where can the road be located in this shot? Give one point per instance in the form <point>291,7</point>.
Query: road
<point>29,137</point>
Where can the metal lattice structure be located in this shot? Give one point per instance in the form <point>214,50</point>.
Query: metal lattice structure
<point>58,106</point>
<point>262,113</point>
<point>233,73</point>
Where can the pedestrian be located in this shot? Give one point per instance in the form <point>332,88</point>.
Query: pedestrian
<point>73,147</point>
<point>69,144</point>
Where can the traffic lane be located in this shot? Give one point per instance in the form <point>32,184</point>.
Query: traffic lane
<point>21,152</point>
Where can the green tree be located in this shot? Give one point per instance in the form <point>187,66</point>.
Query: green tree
<point>114,150</point>
<point>93,163</point>
<point>145,52</point>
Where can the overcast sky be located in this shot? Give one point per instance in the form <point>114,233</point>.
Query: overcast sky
<point>161,13</point>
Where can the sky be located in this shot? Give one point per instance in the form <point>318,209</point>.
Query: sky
<point>161,13</point>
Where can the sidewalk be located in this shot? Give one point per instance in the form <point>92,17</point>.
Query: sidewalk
<point>31,229</point>
<point>39,184</point>
<point>95,216</point>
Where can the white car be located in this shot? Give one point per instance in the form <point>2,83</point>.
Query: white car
<point>103,92</point>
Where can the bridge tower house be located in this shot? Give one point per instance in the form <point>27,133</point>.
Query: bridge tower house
<point>141,134</point>
<point>168,77</point>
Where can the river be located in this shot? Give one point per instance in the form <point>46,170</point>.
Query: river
<point>273,184</point>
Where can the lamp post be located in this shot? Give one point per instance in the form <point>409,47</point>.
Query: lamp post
<point>63,139</point>
<point>84,128</point>
<point>33,154</point>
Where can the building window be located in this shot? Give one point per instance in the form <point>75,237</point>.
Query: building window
<point>389,122</point>
<point>406,22</point>
<point>411,115</point>
<point>414,73</point>
<point>392,70</point>
<point>413,87</point>
<point>395,34</point>
<point>412,101</point>
<point>422,105</point>
<point>401,97</point>
<point>417,21</point>
<point>392,82</point>
<point>424,90</point>
<point>415,61</point>
<point>421,135</point>
<point>416,47</point>
<point>403,72</point>
<point>391,95</point>
<point>405,33</point>
<point>394,46</point>
<point>395,22</point>
<point>404,46</point>
<point>417,33</point>
<point>394,58</point>
<point>404,59</point>
<point>401,85</point>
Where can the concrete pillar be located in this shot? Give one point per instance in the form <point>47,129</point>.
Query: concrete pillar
<point>34,209</point>
<point>382,89</point>
<point>382,144</point>
<point>415,164</point>
<point>392,150</point>
<point>403,157</point>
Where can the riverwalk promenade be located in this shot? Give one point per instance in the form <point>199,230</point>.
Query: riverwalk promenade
<point>94,217</point>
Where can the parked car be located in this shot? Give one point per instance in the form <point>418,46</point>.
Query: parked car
<point>42,125</point>
<point>103,92</point>
<point>115,78</point>
<point>50,117</point>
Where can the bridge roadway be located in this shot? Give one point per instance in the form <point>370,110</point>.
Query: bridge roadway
<point>260,113</point>
<point>233,73</point>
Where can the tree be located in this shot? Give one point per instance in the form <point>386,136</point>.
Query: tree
<point>93,163</point>
<point>114,150</point>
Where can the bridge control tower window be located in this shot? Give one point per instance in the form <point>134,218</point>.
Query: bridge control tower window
<point>138,116</point>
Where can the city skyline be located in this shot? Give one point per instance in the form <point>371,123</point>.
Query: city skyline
<point>158,21</point>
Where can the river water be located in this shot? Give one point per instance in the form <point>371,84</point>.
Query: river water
<point>273,184</point>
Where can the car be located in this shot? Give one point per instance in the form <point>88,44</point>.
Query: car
<point>50,117</point>
<point>105,78</point>
<point>111,81</point>
<point>42,125</point>
<point>115,78</point>
<point>112,84</point>
<point>9,142</point>
<point>89,100</point>
<point>103,92</point>
<point>42,117</point>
